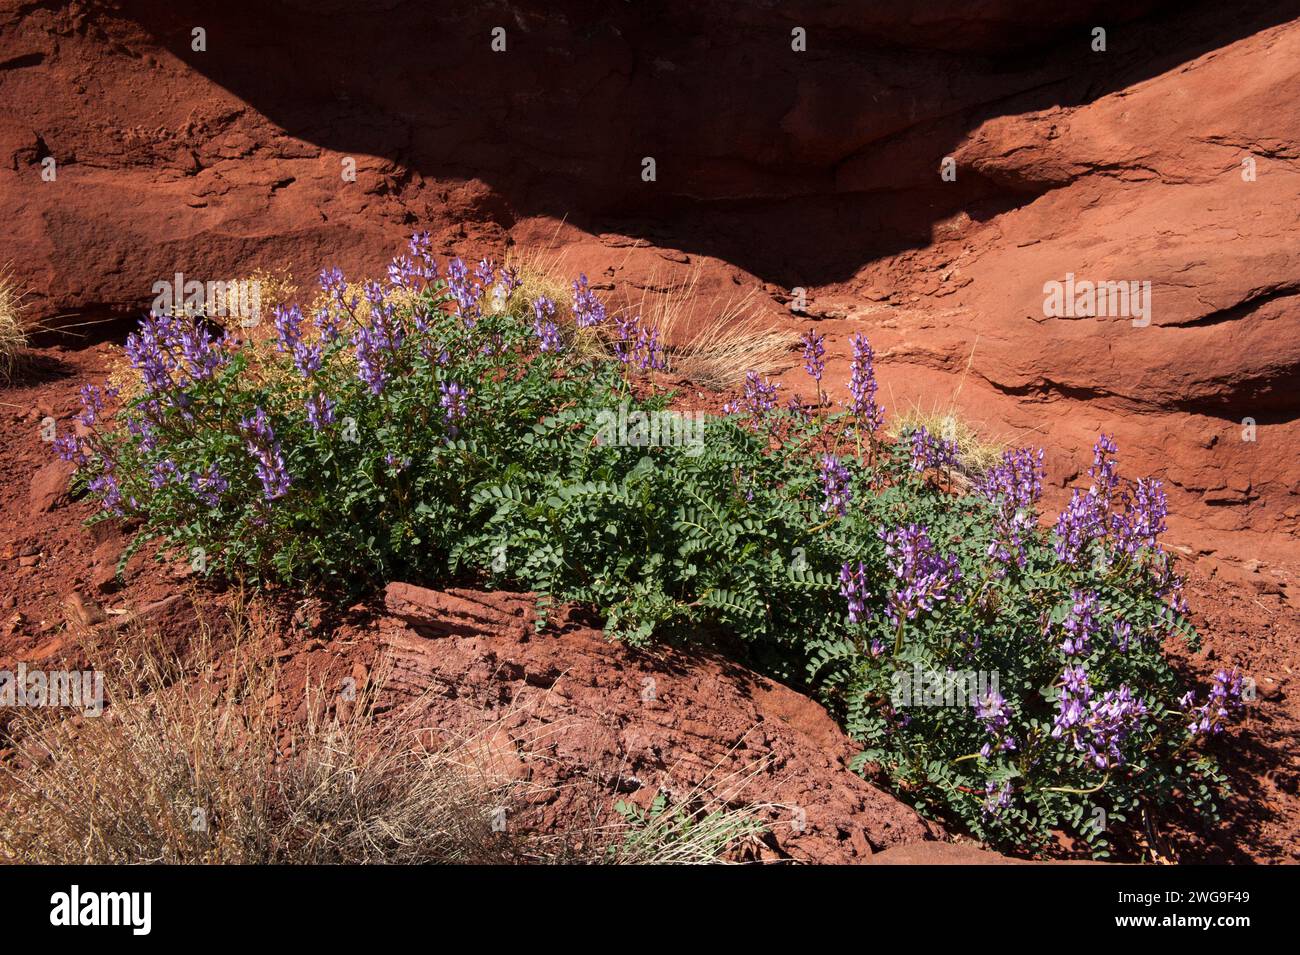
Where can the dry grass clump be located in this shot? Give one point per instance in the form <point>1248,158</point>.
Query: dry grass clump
<point>13,337</point>
<point>716,348</point>
<point>192,762</point>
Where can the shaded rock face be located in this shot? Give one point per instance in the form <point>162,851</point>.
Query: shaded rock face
<point>774,169</point>
<point>588,721</point>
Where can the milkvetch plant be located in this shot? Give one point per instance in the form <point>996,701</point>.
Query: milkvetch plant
<point>441,426</point>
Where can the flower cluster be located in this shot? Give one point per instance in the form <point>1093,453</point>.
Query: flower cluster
<point>544,327</point>
<point>992,710</point>
<point>997,797</point>
<point>635,343</point>
<point>932,452</point>
<point>1080,624</point>
<point>923,576</point>
<point>588,310</point>
<point>454,400</point>
<point>171,351</point>
<point>1142,520</point>
<point>813,361</point>
<point>1222,704</point>
<point>1014,487</point>
<point>853,588</point>
<point>835,486</point>
<point>758,398</point>
<point>209,485</point>
<point>1085,518</point>
<point>266,452</point>
<point>1097,726</point>
<point>863,386</point>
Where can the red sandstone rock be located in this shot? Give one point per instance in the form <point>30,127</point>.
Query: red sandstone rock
<point>581,715</point>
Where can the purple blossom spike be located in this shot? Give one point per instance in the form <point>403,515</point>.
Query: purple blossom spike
<point>454,400</point>
<point>1014,487</point>
<point>997,797</point>
<point>931,452</point>
<point>208,486</point>
<point>836,486</point>
<point>320,411</point>
<point>923,577</point>
<point>1223,703</point>
<point>853,588</point>
<point>758,399</point>
<point>1081,624</point>
<point>265,450</point>
<point>588,310</point>
<point>813,351</point>
<point>993,712</point>
<point>544,326</point>
<point>863,386</point>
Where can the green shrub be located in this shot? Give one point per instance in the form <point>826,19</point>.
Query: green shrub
<point>442,429</point>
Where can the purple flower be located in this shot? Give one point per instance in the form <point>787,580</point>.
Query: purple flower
<point>199,352</point>
<point>404,273</point>
<point>1081,523</point>
<point>1142,520</point>
<point>149,352</point>
<point>1080,624</point>
<point>997,796</point>
<point>544,327</point>
<point>209,486</point>
<point>510,281</point>
<point>332,283</point>
<point>1085,518</point>
<point>92,403</point>
<point>836,486</point>
<point>992,711</point>
<point>863,386</point>
<point>1104,475</point>
<point>68,447</point>
<point>485,272</point>
<point>1096,727</point>
<point>421,247</point>
<point>634,343</point>
<point>813,350</point>
<point>588,310</point>
<point>1014,487</point>
<point>265,450</point>
<point>1223,704</point>
<point>465,293</point>
<point>106,488</point>
<point>923,576</point>
<point>929,451</point>
<point>320,411</point>
<point>853,588</point>
<point>162,472</point>
<point>288,324</point>
<point>758,399</point>
<point>455,404</point>
<point>1121,634</point>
